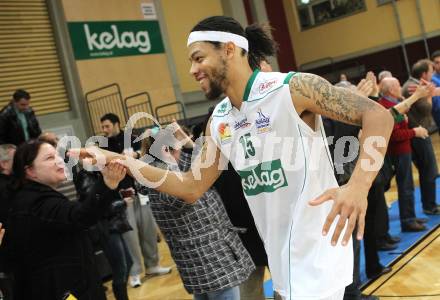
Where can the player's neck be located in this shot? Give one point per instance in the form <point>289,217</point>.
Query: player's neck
<point>238,81</point>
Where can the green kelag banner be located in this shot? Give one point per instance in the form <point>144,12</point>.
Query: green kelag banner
<point>93,40</point>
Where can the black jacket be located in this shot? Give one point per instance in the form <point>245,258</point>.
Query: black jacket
<point>114,218</point>
<point>48,244</point>
<point>5,202</point>
<point>11,131</point>
<point>116,144</point>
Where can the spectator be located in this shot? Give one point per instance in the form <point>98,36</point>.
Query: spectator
<point>384,74</point>
<point>422,151</point>
<point>339,130</point>
<point>7,152</point>
<point>229,187</point>
<point>50,138</point>
<point>142,240</point>
<point>399,150</point>
<point>435,57</point>
<point>199,234</point>
<point>106,235</point>
<point>51,253</point>
<point>18,123</point>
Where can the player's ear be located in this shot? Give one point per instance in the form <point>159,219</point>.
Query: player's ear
<point>229,49</point>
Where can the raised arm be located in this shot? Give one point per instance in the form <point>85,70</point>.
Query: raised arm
<point>421,91</point>
<point>311,93</point>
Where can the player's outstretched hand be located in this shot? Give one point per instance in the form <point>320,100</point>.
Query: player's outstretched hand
<point>94,154</point>
<point>350,204</point>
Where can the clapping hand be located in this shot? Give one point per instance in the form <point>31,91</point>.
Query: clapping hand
<point>423,91</point>
<point>364,87</point>
<point>375,87</point>
<point>412,88</point>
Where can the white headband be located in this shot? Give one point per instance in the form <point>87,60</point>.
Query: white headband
<point>218,36</point>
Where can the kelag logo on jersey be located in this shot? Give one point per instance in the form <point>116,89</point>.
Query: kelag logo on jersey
<point>262,122</point>
<point>241,124</point>
<point>266,177</point>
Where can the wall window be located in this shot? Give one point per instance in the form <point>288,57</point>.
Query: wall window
<point>316,12</point>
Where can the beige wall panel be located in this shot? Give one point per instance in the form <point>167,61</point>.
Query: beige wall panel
<point>134,74</point>
<point>431,14</point>
<point>103,10</point>
<point>373,28</point>
<point>180,17</point>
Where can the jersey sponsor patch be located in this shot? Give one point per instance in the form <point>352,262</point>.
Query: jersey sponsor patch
<point>262,122</point>
<point>222,109</point>
<point>266,177</point>
<point>266,85</point>
<point>225,132</point>
<point>241,124</point>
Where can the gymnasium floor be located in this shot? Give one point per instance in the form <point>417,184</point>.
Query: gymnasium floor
<point>416,273</point>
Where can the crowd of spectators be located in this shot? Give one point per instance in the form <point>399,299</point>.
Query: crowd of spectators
<point>50,242</point>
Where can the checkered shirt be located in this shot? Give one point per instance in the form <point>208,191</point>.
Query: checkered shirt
<point>203,242</point>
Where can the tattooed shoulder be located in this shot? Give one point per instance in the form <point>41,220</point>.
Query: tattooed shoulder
<point>337,103</point>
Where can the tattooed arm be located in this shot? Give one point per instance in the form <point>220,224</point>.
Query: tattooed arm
<point>313,94</point>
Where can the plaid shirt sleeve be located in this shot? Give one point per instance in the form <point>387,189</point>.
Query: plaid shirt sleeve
<point>184,164</point>
<point>185,159</point>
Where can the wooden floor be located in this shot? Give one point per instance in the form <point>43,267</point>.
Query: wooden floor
<point>417,274</point>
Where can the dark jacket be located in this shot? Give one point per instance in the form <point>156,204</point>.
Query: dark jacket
<point>420,112</point>
<point>11,131</point>
<point>48,243</point>
<point>5,202</point>
<point>116,144</point>
<point>114,218</point>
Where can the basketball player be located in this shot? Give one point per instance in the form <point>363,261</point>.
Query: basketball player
<point>269,127</point>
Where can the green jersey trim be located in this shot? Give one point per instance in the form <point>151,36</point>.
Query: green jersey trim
<point>290,75</point>
<point>249,84</point>
<point>270,92</point>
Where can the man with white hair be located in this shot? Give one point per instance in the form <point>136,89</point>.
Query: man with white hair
<point>399,150</point>
<point>384,74</point>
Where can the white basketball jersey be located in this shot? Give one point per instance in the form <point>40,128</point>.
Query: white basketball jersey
<point>283,164</point>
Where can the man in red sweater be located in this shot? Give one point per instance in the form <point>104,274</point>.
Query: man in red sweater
<point>399,150</point>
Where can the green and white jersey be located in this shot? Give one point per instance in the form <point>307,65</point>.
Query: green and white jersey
<point>283,164</point>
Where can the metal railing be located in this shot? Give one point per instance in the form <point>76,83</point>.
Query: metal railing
<point>167,112</point>
<point>136,103</point>
<point>107,99</point>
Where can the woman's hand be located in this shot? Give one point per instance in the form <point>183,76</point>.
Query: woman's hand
<point>113,173</point>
